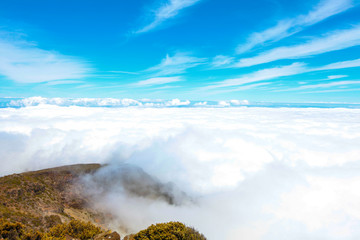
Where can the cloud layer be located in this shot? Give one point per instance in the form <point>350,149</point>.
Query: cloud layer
<point>117,103</point>
<point>253,173</point>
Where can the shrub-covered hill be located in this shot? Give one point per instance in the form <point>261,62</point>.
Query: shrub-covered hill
<point>71,230</point>
<point>43,199</point>
<point>77,230</point>
<point>50,204</point>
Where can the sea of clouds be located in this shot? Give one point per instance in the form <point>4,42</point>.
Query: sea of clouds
<point>157,103</point>
<point>116,102</point>
<point>233,173</point>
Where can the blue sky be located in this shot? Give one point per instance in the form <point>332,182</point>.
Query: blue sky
<point>261,50</point>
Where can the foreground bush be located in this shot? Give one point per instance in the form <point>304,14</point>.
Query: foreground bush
<point>75,229</point>
<point>169,231</point>
<point>81,230</point>
<point>17,231</point>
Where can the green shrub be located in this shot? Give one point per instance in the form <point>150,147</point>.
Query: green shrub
<point>10,230</point>
<point>75,229</point>
<point>17,231</point>
<point>169,231</point>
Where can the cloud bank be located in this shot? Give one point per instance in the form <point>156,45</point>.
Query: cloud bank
<point>159,103</point>
<point>116,102</point>
<point>251,173</point>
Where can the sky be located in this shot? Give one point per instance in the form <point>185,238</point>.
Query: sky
<point>261,50</point>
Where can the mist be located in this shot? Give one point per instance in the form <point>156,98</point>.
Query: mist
<point>232,173</point>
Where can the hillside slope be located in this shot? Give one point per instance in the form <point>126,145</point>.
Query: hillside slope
<point>42,199</point>
<point>55,204</point>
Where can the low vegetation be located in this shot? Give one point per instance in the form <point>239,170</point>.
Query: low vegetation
<point>17,231</point>
<point>169,231</point>
<point>74,229</point>
<point>48,205</point>
<point>41,199</point>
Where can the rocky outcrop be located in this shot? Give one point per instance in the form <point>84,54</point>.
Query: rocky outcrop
<point>108,236</point>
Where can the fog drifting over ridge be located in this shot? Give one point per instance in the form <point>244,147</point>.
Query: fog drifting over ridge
<point>254,173</point>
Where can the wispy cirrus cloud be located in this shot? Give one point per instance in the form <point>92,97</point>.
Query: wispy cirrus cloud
<point>327,85</point>
<point>331,77</point>
<point>334,90</point>
<point>337,40</point>
<point>168,10</point>
<point>221,60</point>
<point>242,87</point>
<point>26,63</point>
<point>340,65</point>
<point>288,27</point>
<point>176,64</point>
<point>157,81</point>
<point>254,79</point>
<point>62,82</point>
<point>123,72</point>
<point>168,71</point>
<point>261,75</point>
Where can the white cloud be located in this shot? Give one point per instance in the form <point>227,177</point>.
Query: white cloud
<point>275,33</point>
<point>285,28</point>
<point>98,102</point>
<point>124,72</point>
<point>201,104</point>
<point>332,84</point>
<point>259,173</point>
<point>221,60</point>
<point>242,88</point>
<point>88,102</point>
<point>177,102</point>
<point>325,85</point>
<point>26,63</point>
<point>337,40</point>
<point>262,75</point>
<point>272,73</point>
<point>166,11</point>
<point>336,90</point>
<point>117,102</point>
<point>251,86</point>
<point>176,64</point>
<point>328,199</point>
<point>238,102</point>
<point>340,65</point>
<point>158,81</point>
<point>331,77</point>
<point>223,104</point>
<point>62,82</point>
